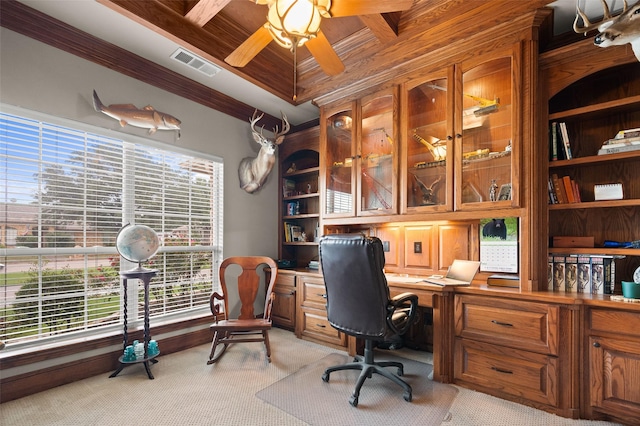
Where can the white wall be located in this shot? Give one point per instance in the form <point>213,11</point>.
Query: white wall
<point>38,77</point>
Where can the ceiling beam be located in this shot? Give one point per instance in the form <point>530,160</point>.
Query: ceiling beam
<point>31,23</point>
<point>205,10</point>
<point>380,27</point>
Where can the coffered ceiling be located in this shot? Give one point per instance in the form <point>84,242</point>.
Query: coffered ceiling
<point>369,46</point>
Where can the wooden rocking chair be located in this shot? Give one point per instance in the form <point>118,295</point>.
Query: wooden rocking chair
<point>247,327</point>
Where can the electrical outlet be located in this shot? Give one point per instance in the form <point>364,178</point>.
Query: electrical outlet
<point>417,246</point>
<point>386,246</point>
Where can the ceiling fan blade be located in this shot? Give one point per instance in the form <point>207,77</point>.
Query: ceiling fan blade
<point>250,48</point>
<point>367,7</point>
<point>327,58</point>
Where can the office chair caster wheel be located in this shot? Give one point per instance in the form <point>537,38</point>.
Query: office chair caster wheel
<point>407,397</point>
<point>325,377</point>
<point>353,400</point>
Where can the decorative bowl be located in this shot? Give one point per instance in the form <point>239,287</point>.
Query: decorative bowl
<point>631,290</point>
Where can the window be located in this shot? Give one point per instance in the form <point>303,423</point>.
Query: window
<point>65,194</point>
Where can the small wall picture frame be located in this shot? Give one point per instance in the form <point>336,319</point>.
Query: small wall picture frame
<point>505,192</point>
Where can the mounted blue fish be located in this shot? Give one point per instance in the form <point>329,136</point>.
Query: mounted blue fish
<point>146,118</point>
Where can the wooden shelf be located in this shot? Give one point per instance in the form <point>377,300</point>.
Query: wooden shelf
<point>300,196</point>
<point>596,251</point>
<point>300,243</point>
<point>595,159</point>
<point>595,204</point>
<point>302,172</point>
<point>302,216</point>
<point>597,109</point>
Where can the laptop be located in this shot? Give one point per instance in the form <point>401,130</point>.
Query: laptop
<point>461,272</point>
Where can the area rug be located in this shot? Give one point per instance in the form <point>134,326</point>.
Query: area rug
<point>305,396</point>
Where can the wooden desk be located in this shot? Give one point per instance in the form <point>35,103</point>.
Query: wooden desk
<point>440,299</point>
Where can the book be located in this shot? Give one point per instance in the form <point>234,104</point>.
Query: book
<point>571,274</point>
<point>584,274</point>
<point>503,280</point>
<point>597,275</point>
<point>559,189</point>
<point>568,187</point>
<point>558,273</point>
<point>576,191</point>
<point>629,133</point>
<point>550,273</point>
<point>553,141</point>
<point>609,274</point>
<point>553,198</point>
<point>565,140</point>
<point>620,145</point>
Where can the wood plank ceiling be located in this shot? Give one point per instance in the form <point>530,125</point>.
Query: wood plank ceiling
<point>369,45</point>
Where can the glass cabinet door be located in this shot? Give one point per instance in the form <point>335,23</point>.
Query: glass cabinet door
<point>486,129</point>
<point>377,159</point>
<point>429,154</point>
<point>339,164</point>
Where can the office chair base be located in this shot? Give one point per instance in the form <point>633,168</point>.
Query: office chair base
<point>368,366</point>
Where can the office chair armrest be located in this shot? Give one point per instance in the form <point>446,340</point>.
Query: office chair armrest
<point>399,302</point>
<point>403,298</point>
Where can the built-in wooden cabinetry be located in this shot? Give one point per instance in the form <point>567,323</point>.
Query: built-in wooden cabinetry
<point>300,197</point>
<point>359,168</point>
<point>283,310</point>
<point>594,108</point>
<point>312,313</point>
<point>612,361</point>
<point>517,349</point>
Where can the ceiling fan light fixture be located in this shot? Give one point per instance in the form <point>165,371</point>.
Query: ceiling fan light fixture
<point>294,22</point>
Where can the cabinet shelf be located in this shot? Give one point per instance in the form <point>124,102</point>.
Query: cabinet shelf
<point>595,159</point>
<point>596,251</point>
<point>300,243</point>
<point>300,196</point>
<point>302,216</point>
<point>307,171</point>
<point>597,109</point>
<point>595,204</point>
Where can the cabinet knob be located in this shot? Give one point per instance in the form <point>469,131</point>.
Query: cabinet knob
<point>449,137</point>
<point>458,135</point>
<point>596,344</point>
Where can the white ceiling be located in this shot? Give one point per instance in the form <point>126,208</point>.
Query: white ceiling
<point>100,21</point>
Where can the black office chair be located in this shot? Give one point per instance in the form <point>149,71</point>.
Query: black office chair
<point>358,303</point>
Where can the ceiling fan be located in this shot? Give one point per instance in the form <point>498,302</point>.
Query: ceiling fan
<point>293,23</point>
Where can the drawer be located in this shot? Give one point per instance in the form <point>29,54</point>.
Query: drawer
<point>313,291</point>
<point>315,325</point>
<point>500,370</point>
<point>614,322</point>
<point>522,325</point>
<point>286,280</point>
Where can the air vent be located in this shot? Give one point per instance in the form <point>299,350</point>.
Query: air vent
<point>195,62</point>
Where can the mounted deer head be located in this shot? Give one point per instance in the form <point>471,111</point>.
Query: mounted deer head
<point>613,30</point>
<point>254,171</point>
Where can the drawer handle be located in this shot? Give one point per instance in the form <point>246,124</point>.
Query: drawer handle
<point>499,370</point>
<point>324,296</point>
<point>504,324</point>
<point>321,325</point>
<point>596,344</point>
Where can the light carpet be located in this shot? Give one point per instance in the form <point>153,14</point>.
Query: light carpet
<point>306,396</point>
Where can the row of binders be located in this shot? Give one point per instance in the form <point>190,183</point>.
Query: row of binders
<point>293,233</point>
<point>581,274</point>
<point>563,190</point>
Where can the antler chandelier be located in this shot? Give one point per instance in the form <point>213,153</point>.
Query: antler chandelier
<point>294,22</point>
